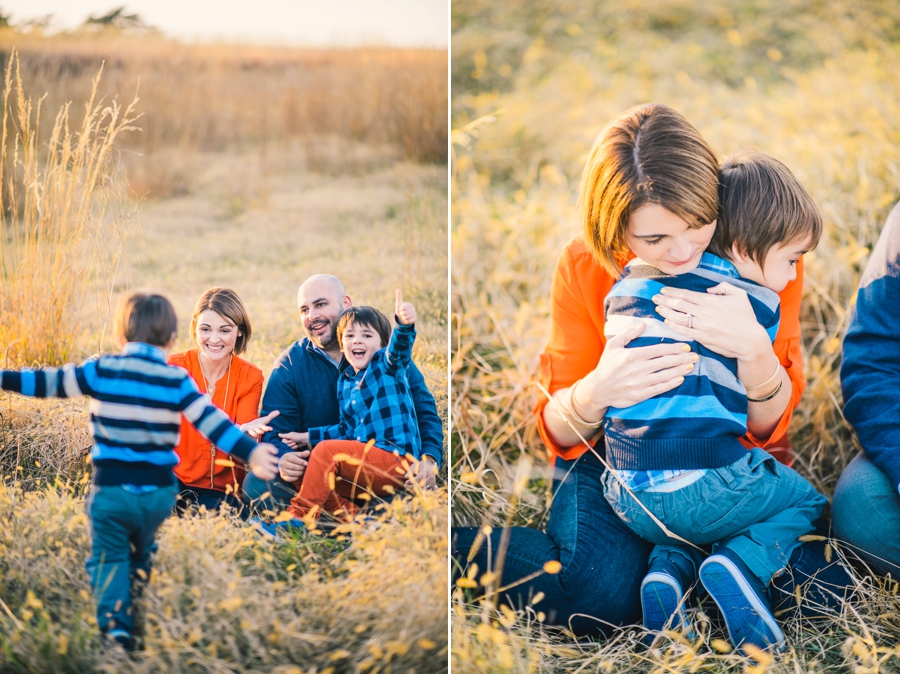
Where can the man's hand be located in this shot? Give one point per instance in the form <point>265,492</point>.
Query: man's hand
<point>423,473</point>
<point>263,461</point>
<point>293,465</point>
<point>294,440</point>
<point>404,311</point>
<point>259,426</point>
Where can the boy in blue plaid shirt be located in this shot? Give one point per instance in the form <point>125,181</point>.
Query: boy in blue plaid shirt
<point>371,448</point>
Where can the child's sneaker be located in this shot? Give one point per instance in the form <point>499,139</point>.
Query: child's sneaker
<point>662,597</point>
<point>279,530</point>
<point>120,637</point>
<point>743,600</point>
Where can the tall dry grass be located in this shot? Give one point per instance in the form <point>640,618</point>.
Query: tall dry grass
<point>259,209</point>
<point>813,84</point>
<point>55,196</point>
<point>221,97</point>
<point>224,599</point>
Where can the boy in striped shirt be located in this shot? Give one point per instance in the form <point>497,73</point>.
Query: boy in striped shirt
<point>136,405</point>
<point>678,454</point>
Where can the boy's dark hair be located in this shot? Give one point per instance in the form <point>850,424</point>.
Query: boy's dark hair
<point>146,317</point>
<point>367,316</point>
<point>226,303</point>
<point>761,205</point>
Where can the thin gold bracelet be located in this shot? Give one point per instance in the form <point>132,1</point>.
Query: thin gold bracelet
<point>768,397</point>
<point>575,415</point>
<point>774,374</point>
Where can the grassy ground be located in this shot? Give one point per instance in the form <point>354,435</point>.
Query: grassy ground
<point>259,217</point>
<point>814,84</point>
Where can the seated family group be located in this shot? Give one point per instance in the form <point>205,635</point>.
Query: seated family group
<point>334,390</point>
<point>346,418</point>
<point>670,377</point>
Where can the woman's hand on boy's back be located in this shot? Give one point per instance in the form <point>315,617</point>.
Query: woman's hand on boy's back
<point>263,461</point>
<point>404,311</point>
<point>721,319</point>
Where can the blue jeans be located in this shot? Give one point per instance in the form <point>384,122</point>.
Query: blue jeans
<point>211,499</point>
<point>756,507</point>
<point>123,531</point>
<point>603,561</point>
<point>866,514</point>
<point>280,493</point>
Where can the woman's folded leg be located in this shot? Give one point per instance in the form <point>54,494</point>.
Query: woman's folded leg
<point>602,562</point>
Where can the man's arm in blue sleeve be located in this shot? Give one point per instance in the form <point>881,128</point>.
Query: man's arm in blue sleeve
<point>281,395</point>
<point>870,369</point>
<point>430,428</point>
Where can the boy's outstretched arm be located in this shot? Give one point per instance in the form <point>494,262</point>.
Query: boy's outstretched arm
<point>399,351</point>
<point>67,381</point>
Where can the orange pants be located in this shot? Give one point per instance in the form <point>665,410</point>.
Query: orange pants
<point>341,470</point>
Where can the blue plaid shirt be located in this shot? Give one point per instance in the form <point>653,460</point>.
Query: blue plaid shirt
<point>376,402</point>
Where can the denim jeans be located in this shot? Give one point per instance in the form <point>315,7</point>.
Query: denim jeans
<point>866,514</point>
<point>211,499</point>
<point>280,493</point>
<point>603,561</point>
<point>123,531</point>
<point>756,507</point>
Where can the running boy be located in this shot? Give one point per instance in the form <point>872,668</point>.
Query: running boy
<point>136,405</point>
<point>678,453</point>
<point>371,448</point>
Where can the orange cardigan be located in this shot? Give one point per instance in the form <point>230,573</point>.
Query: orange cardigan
<point>197,467</point>
<point>576,341</point>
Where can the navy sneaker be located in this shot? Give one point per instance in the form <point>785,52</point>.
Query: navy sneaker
<point>662,597</point>
<point>279,530</point>
<point>743,600</point>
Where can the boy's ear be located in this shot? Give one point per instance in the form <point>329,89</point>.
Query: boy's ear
<point>737,255</point>
<point>172,340</point>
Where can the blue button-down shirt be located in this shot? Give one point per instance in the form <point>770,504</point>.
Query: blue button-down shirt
<point>376,402</point>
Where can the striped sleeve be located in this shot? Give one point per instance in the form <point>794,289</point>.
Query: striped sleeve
<point>212,423</point>
<point>67,381</point>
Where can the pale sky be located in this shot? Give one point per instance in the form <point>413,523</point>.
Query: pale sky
<point>310,22</point>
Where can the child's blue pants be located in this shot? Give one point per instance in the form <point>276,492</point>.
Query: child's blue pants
<point>123,530</point>
<point>756,506</point>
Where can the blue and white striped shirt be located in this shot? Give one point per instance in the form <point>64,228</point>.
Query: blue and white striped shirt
<point>136,405</point>
<point>696,425</point>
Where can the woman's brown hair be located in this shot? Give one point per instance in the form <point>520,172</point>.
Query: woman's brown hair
<point>650,154</point>
<point>226,303</point>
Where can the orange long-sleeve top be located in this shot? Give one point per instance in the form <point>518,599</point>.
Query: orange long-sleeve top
<point>579,289</point>
<point>243,385</point>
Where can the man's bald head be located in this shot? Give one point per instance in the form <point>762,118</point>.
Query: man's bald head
<point>321,284</point>
<point>321,300</point>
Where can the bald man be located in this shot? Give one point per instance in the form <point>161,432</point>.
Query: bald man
<point>303,388</point>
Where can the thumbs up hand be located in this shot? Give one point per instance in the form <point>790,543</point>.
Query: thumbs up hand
<point>404,311</point>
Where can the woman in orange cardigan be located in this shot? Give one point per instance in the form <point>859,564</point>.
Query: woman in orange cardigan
<point>649,156</point>
<point>221,329</point>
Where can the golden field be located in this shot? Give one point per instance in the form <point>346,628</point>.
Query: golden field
<point>247,167</point>
<point>814,84</point>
